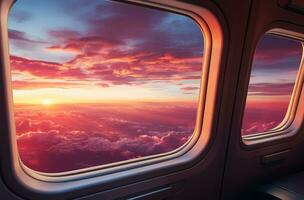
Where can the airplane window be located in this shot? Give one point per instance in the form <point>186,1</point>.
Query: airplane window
<point>99,82</point>
<point>274,71</point>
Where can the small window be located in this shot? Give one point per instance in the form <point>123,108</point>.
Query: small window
<point>99,82</point>
<point>274,72</point>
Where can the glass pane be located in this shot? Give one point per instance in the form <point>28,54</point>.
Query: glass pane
<point>274,71</point>
<point>97,82</point>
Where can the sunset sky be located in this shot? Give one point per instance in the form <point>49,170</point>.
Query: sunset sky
<point>92,51</point>
<point>274,71</point>
<point>130,75</point>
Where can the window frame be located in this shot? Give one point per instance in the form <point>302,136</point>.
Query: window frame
<point>293,119</point>
<point>137,162</point>
<point>36,184</point>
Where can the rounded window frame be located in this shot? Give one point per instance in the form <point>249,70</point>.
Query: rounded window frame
<point>21,177</point>
<point>291,123</point>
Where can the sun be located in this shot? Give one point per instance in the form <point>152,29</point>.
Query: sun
<point>47,102</point>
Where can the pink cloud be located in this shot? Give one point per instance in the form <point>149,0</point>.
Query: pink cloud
<point>63,34</point>
<point>30,84</point>
<point>16,35</point>
<point>263,116</point>
<point>35,67</point>
<point>270,89</point>
<point>115,50</point>
<point>106,134</point>
<point>105,69</point>
<point>189,88</point>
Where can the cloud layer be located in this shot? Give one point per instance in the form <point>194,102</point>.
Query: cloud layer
<point>263,116</point>
<point>107,133</point>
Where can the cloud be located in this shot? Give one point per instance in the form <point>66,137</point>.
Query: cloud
<point>112,49</point>
<point>270,89</point>
<point>274,52</point>
<point>104,85</point>
<point>277,47</point>
<point>123,27</point>
<point>21,36</point>
<point>120,70</point>
<point>116,60</point>
<point>106,134</point>
<point>30,84</point>
<point>21,16</point>
<point>259,127</point>
<point>189,88</point>
<point>35,67</point>
<point>63,34</point>
<point>263,116</point>
<point>84,45</point>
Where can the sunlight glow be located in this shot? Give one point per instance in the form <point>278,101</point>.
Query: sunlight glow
<point>47,102</point>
